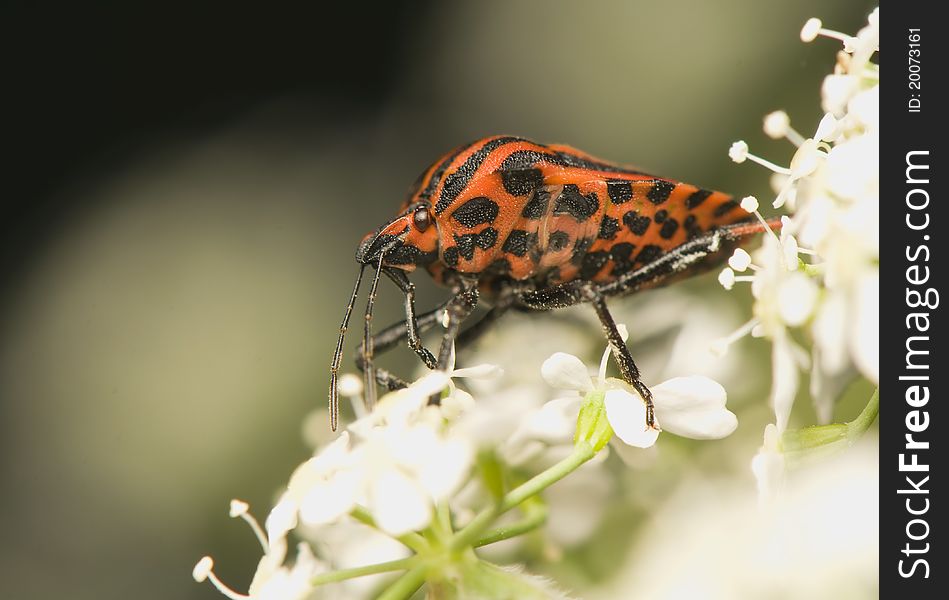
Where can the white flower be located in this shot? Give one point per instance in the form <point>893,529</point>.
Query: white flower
<point>832,185</point>
<point>398,461</point>
<point>273,580</point>
<point>769,465</point>
<point>687,406</point>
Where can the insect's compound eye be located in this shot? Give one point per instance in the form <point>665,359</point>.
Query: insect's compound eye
<point>421,218</point>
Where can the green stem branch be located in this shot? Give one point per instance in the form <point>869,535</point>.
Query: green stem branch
<point>403,587</point>
<point>582,452</point>
<point>385,567</point>
<point>534,518</point>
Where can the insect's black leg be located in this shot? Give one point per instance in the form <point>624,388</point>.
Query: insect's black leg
<point>390,337</point>
<point>576,292</point>
<point>699,253</point>
<point>399,277</point>
<point>622,356</point>
<point>458,309</point>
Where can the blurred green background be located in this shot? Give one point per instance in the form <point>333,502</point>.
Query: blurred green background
<point>187,194</point>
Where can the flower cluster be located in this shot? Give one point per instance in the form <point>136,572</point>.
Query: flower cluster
<point>406,472</point>
<point>820,276</point>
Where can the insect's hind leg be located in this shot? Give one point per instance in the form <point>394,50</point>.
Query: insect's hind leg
<point>577,292</point>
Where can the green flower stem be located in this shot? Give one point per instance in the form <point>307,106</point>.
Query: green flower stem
<point>582,452</point>
<point>385,567</point>
<point>820,438</point>
<point>867,416</point>
<point>443,515</point>
<point>412,540</point>
<point>535,517</point>
<point>405,586</point>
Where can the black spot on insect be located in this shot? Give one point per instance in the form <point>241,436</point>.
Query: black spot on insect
<point>537,206</point>
<point>516,243</point>
<point>557,241</point>
<point>487,238</point>
<point>592,263</point>
<point>661,215</point>
<point>520,182</point>
<point>637,223</point>
<point>697,198</point>
<point>648,254</point>
<point>723,209</point>
<point>621,255</point>
<point>669,228</point>
<point>691,226</point>
<point>476,211</point>
<point>619,191</point>
<point>450,256</point>
<point>572,202</point>
<point>466,245</point>
<point>608,228</point>
<point>458,180</point>
<point>580,248</point>
<point>660,191</point>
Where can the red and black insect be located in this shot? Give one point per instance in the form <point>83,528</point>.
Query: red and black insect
<point>534,227</point>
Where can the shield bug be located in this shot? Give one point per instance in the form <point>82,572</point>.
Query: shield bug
<point>533,227</point>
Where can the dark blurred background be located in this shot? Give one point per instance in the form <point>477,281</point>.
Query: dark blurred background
<point>184,189</point>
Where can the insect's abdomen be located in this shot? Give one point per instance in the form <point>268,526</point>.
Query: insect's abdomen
<point>645,219</point>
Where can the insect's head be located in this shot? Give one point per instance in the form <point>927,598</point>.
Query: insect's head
<point>409,240</point>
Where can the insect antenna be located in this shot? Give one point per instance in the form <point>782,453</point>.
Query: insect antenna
<point>370,371</point>
<point>338,355</point>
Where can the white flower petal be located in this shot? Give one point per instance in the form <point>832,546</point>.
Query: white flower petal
<point>482,371</point>
<point>784,380</point>
<point>398,504</point>
<point>768,465</point>
<point>445,470</point>
<point>566,372</point>
<point>694,407</point>
<point>555,422</point>
<point>282,518</point>
<point>865,339</point>
<point>797,297</point>
<point>626,413</point>
<point>828,129</point>
<point>329,500</point>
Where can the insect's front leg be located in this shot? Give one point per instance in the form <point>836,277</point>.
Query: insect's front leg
<point>399,277</point>
<point>577,292</point>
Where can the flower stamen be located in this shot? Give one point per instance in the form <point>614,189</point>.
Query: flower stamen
<point>720,346</point>
<point>814,27</point>
<point>204,571</point>
<point>739,153</point>
<point>239,508</point>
